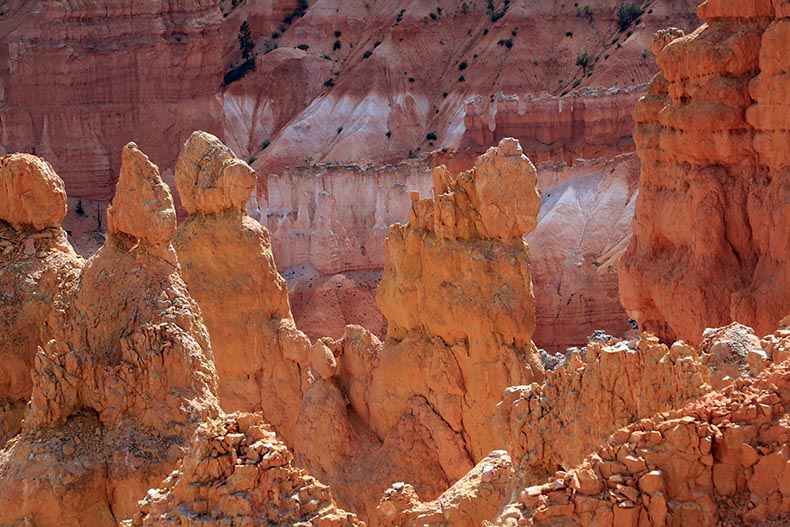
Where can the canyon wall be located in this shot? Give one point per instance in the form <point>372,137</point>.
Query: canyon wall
<point>336,216</point>
<point>79,80</point>
<point>711,225</point>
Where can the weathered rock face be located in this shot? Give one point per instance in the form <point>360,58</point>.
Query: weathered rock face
<point>336,216</point>
<point>238,472</point>
<point>553,425</point>
<point>458,298</point>
<point>457,291</point>
<point>711,229</point>
<point>38,268</point>
<point>226,261</point>
<point>323,305</point>
<point>721,460</point>
<point>125,379</point>
<point>472,500</point>
<point>81,79</point>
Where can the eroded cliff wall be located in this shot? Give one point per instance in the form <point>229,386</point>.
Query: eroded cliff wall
<point>711,224</point>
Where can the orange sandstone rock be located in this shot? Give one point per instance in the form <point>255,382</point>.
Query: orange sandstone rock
<point>553,425</point>
<point>473,499</point>
<point>227,262</point>
<point>458,298</point>
<point>38,269</point>
<point>239,472</point>
<point>721,460</point>
<point>123,382</point>
<point>457,291</point>
<point>710,226</point>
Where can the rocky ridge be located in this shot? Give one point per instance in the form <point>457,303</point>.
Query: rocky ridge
<point>720,460</point>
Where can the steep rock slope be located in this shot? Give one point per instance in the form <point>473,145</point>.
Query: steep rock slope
<point>124,381</point>
<point>449,74</point>
<point>38,268</point>
<point>80,79</point>
<point>583,229</point>
<point>227,263</point>
<point>711,225</point>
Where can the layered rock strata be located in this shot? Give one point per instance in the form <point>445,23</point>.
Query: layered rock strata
<point>81,79</point>
<point>38,269</point>
<point>711,225</point>
<point>125,379</point>
<point>226,260</point>
<point>238,472</point>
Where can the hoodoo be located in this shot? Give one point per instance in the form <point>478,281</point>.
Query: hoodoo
<point>712,221</point>
<point>123,382</point>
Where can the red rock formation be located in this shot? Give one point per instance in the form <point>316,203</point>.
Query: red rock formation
<point>710,228</point>
<point>472,500</point>
<point>38,268</point>
<point>722,460</point>
<point>227,263</point>
<point>124,381</point>
<point>458,298</point>
<point>238,472</point>
<point>81,79</point>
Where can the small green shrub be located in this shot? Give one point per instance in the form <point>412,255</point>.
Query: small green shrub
<point>462,66</point>
<point>431,136</point>
<point>627,15</point>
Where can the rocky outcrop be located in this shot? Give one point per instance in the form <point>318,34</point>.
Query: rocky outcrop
<point>125,379</point>
<point>552,426</point>
<point>721,460</point>
<point>710,228</point>
<point>458,298</point>
<point>81,79</point>
<point>38,268</point>
<point>472,500</point>
<point>238,472</point>
<point>227,262</point>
